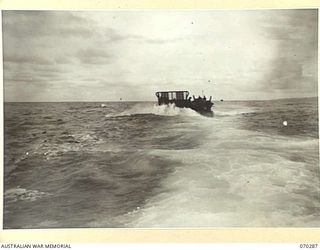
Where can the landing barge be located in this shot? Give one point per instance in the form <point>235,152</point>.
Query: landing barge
<point>182,99</point>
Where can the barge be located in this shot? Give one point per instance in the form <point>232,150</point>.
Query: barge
<point>181,99</point>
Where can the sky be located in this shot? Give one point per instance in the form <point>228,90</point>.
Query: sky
<point>108,55</point>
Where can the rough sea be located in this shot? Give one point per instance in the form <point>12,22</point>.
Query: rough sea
<point>141,165</point>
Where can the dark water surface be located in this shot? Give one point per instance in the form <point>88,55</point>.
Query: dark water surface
<point>140,165</point>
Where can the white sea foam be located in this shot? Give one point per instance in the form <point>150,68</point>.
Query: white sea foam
<point>172,110</point>
<point>22,194</point>
<point>229,183</point>
<point>163,110</point>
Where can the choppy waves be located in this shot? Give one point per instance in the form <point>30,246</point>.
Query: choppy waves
<point>143,165</point>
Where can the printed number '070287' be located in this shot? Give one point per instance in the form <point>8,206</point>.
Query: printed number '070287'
<point>309,246</point>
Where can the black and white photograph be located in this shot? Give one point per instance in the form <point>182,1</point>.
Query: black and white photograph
<point>160,118</point>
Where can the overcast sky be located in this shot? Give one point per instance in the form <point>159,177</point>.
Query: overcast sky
<point>108,55</point>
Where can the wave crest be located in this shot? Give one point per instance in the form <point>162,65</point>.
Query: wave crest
<point>163,110</point>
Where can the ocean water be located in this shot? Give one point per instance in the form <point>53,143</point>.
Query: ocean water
<point>140,165</point>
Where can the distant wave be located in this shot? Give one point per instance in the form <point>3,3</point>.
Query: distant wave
<point>233,112</point>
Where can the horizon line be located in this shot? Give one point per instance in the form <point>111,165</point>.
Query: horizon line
<point>218,100</point>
